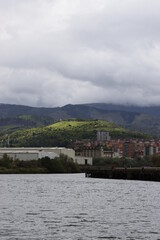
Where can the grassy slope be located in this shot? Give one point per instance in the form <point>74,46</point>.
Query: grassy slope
<point>87,126</point>
<point>63,132</point>
<point>144,119</point>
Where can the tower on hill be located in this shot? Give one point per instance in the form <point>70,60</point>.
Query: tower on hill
<point>103,136</point>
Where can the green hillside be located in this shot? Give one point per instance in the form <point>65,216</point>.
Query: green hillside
<point>63,133</point>
<point>141,119</point>
<point>22,122</point>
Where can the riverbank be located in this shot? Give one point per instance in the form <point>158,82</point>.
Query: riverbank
<point>44,165</point>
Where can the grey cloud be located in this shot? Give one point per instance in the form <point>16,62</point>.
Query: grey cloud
<point>59,52</point>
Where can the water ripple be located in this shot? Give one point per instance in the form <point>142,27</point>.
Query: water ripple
<point>45,207</point>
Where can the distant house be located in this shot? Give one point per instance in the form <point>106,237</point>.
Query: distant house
<point>150,150</point>
<point>84,160</point>
<point>92,152</point>
<point>128,149</point>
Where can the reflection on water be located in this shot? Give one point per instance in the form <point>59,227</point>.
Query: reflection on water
<point>74,207</point>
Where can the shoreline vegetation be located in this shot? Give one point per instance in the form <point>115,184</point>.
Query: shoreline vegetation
<point>64,164</point>
<point>61,164</point>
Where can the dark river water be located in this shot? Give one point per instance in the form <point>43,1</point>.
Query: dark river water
<point>74,207</point>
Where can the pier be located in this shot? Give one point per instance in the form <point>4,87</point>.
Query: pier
<point>143,173</point>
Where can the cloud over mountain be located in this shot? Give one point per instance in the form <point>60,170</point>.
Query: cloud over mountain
<point>54,52</point>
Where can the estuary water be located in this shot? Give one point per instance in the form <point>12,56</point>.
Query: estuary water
<point>77,208</point>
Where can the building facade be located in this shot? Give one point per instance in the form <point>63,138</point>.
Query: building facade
<point>103,136</point>
<point>36,153</point>
<point>84,160</point>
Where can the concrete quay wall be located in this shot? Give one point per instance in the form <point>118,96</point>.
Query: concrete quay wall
<point>144,173</point>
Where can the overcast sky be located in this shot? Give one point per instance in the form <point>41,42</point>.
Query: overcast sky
<point>56,52</point>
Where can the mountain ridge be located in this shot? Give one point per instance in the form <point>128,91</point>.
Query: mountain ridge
<point>144,119</point>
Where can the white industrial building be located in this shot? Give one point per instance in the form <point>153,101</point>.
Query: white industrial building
<point>27,155</point>
<point>36,153</point>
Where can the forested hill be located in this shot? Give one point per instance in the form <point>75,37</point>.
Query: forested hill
<point>63,133</point>
<point>144,119</point>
